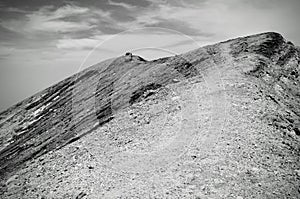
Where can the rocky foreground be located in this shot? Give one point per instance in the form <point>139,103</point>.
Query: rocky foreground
<point>222,121</point>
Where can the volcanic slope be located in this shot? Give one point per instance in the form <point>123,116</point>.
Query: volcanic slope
<point>222,121</point>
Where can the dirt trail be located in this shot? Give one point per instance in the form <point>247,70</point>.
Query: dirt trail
<point>195,126</point>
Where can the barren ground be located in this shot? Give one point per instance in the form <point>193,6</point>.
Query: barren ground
<point>206,136</point>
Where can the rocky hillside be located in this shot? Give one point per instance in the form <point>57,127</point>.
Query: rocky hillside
<point>222,121</point>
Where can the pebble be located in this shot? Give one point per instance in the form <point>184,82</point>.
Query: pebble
<point>255,170</point>
<point>12,179</point>
<point>175,98</point>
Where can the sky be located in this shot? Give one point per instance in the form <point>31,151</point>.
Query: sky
<point>45,41</point>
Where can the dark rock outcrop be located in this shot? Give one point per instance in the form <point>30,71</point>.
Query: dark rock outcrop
<point>277,66</point>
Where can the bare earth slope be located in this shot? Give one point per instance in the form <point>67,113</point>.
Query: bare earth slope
<point>222,121</point>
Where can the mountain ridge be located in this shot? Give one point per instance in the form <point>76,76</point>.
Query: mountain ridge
<point>79,105</point>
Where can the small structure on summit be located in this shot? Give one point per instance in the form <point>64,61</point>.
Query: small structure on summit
<point>128,56</point>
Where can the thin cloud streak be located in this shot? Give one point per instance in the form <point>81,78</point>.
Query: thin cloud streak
<point>124,5</point>
<point>48,20</point>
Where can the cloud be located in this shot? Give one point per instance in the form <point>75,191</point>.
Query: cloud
<point>139,3</point>
<point>121,4</point>
<point>83,21</point>
<point>58,26</point>
<point>5,51</point>
<point>81,44</point>
<point>86,43</point>
<point>51,20</point>
<point>173,16</point>
<point>175,24</point>
<point>68,10</point>
<point>8,35</point>
<point>14,10</point>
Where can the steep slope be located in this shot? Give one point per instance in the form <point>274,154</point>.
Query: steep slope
<point>221,121</point>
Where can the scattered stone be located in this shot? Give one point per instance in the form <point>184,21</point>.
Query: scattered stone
<point>297,131</point>
<point>81,195</point>
<point>12,179</point>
